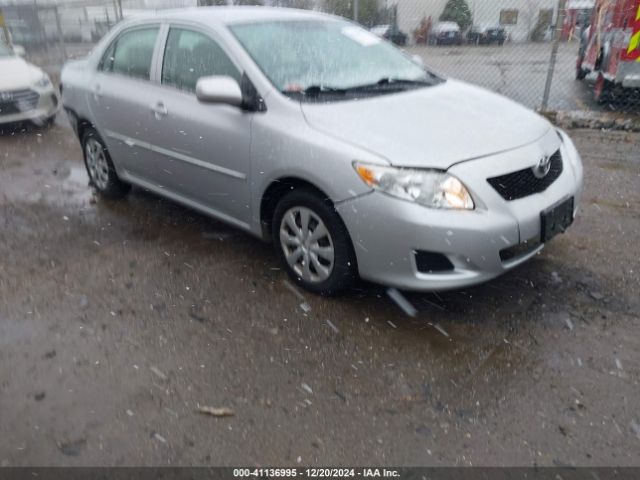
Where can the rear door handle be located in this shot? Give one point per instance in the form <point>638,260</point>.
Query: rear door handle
<point>159,110</point>
<point>97,91</point>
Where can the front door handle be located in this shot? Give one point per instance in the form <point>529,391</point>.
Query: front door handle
<point>159,110</point>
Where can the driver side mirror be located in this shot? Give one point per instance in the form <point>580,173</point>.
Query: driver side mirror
<point>219,89</point>
<point>19,50</point>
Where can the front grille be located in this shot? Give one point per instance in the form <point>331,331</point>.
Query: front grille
<point>523,183</point>
<point>18,101</point>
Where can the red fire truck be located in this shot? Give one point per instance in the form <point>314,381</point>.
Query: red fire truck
<point>610,48</point>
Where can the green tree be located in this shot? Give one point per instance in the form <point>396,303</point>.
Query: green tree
<point>457,11</point>
<point>367,12</point>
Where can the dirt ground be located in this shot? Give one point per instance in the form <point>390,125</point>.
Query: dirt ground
<point>118,320</point>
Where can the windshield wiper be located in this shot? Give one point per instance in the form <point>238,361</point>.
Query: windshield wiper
<point>315,91</point>
<point>385,84</point>
<point>388,83</point>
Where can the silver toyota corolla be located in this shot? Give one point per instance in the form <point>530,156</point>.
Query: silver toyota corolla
<point>309,131</point>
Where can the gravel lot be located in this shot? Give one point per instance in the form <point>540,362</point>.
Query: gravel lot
<point>518,71</point>
<point>119,320</point>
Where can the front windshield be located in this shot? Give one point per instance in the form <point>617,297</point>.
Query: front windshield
<point>5,51</point>
<point>297,55</point>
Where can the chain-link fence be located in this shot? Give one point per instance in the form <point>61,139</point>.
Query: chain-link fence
<point>527,50</point>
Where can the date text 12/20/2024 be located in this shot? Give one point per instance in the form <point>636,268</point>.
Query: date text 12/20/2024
<point>316,472</point>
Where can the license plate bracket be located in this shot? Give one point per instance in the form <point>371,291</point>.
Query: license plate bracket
<point>556,219</point>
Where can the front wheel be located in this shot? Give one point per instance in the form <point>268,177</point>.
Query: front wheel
<point>581,73</point>
<point>601,90</point>
<point>313,243</point>
<point>44,122</point>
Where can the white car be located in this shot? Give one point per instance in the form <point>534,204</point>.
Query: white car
<point>26,92</point>
<point>446,33</point>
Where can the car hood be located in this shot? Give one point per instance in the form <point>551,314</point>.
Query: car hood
<point>434,127</point>
<point>17,74</point>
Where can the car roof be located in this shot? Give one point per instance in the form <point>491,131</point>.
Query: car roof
<point>238,14</point>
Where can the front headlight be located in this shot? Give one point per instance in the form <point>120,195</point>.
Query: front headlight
<point>44,81</point>
<point>427,187</point>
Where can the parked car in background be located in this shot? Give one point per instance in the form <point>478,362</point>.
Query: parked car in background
<point>391,33</point>
<point>445,33</point>
<point>312,133</point>
<point>486,35</point>
<point>26,92</point>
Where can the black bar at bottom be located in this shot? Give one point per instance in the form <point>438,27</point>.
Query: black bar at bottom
<point>398,473</point>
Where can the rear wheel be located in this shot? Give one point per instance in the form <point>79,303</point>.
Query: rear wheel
<point>313,243</point>
<point>102,173</point>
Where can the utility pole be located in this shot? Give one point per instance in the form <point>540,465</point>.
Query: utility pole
<point>117,10</point>
<point>63,48</point>
<point>554,54</point>
<point>42,37</point>
<point>4,28</point>
<point>356,10</point>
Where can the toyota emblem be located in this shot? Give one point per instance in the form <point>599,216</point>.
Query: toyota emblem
<point>542,169</point>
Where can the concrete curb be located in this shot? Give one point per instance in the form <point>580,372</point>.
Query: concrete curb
<point>594,120</point>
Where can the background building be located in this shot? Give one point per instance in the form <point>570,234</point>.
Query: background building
<point>523,19</point>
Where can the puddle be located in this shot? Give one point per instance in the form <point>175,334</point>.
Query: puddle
<point>78,177</point>
<point>61,185</point>
<point>76,186</point>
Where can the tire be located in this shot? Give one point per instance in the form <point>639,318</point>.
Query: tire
<point>601,90</point>
<point>44,122</point>
<point>581,73</point>
<point>325,273</point>
<point>102,174</point>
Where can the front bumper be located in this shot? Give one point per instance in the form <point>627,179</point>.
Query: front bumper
<point>46,107</point>
<point>629,74</point>
<point>388,232</point>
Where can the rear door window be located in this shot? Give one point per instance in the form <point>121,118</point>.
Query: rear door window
<point>131,53</point>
